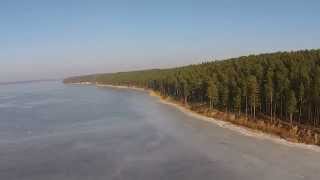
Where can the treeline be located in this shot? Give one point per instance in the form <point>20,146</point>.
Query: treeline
<point>278,86</point>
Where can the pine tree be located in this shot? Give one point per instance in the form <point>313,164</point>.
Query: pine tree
<point>253,93</point>
<point>237,100</point>
<point>301,99</point>
<point>269,91</point>
<point>212,93</point>
<point>291,105</point>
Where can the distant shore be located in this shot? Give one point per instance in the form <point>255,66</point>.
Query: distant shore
<point>221,123</point>
<point>27,82</point>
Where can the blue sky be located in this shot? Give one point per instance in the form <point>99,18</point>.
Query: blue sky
<point>58,38</point>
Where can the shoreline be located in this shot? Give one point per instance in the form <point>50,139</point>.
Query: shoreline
<point>245,131</point>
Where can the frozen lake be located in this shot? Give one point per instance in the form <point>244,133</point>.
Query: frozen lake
<point>52,131</point>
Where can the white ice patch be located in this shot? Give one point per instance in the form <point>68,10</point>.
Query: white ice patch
<point>7,105</point>
<point>44,102</point>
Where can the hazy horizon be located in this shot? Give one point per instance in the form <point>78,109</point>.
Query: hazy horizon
<point>210,59</point>
<point>56,39</point>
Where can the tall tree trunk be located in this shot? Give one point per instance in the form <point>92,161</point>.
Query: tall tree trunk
<point>314,117</point>
<point>271,107</point>
<point>281,114</point>
<point>309,114</point>
<point>300,106</point>
<point>246,107</point>
<point>275,112</point>
<point>254,107</point>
